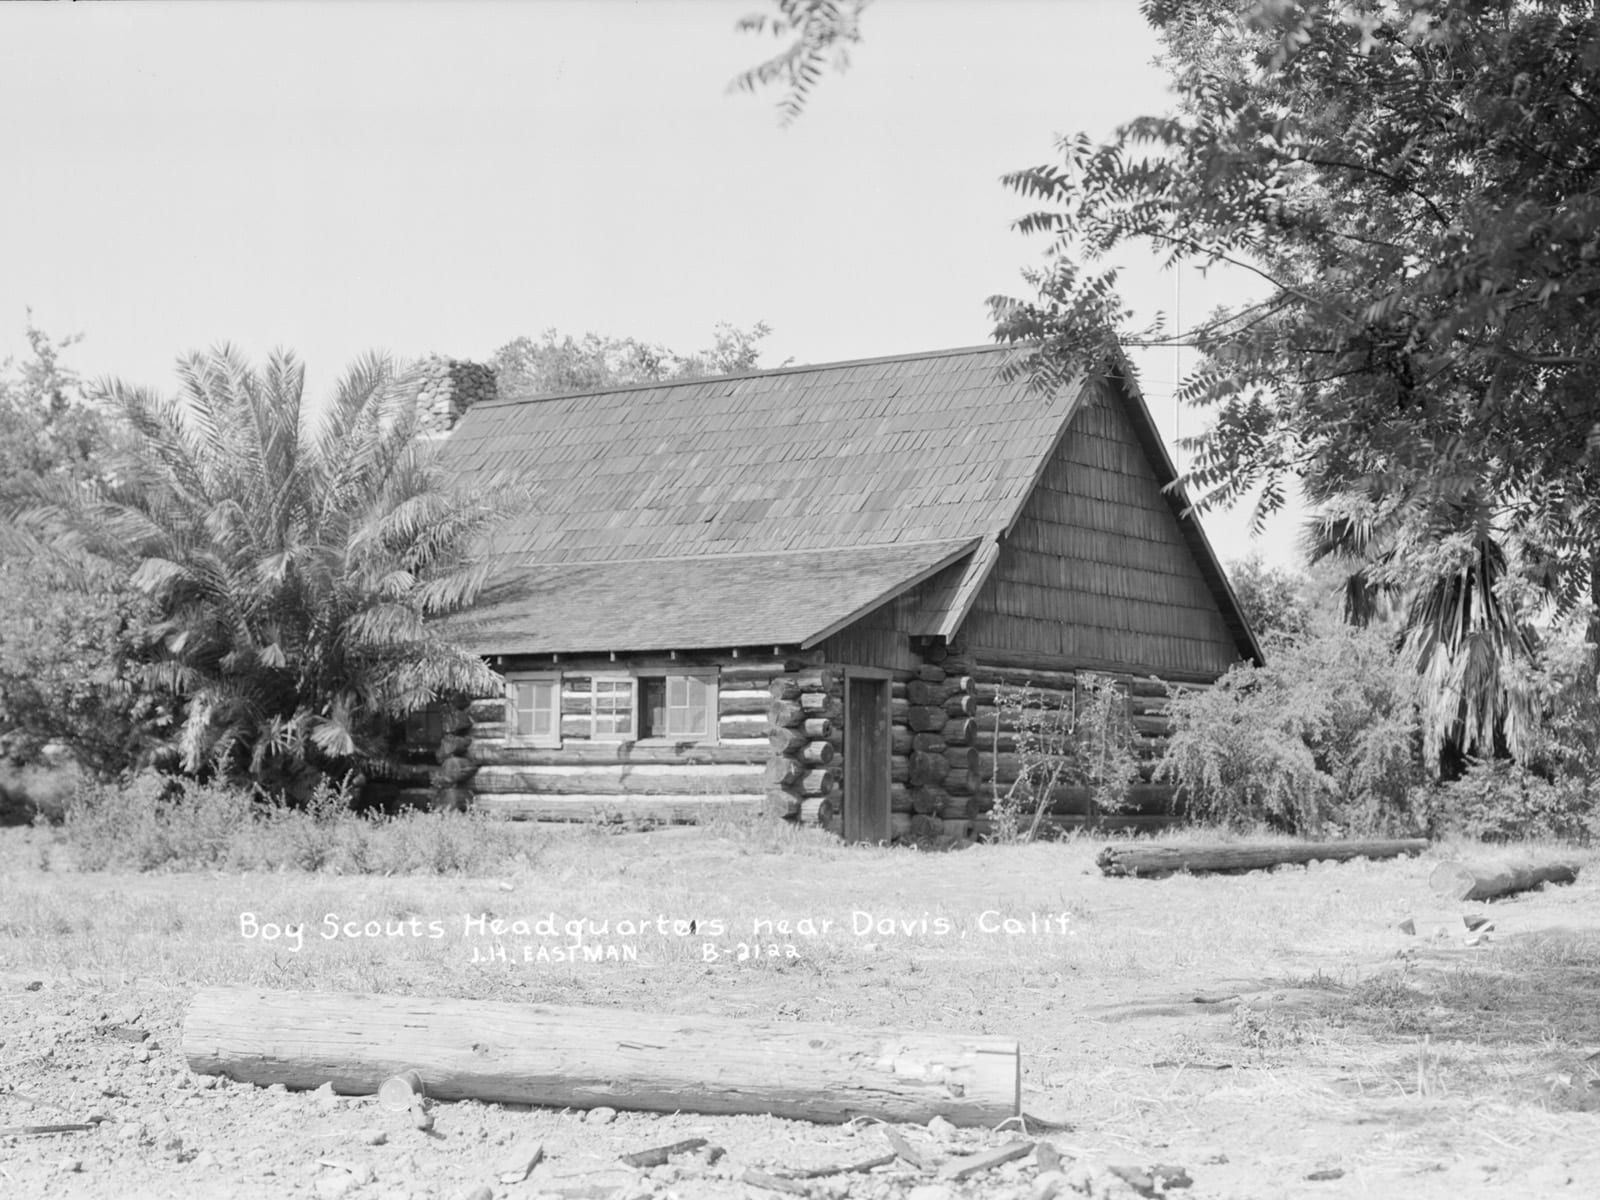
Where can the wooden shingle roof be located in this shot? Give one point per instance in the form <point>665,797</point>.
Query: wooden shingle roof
<point>771,508</point>
<point>766,508</point>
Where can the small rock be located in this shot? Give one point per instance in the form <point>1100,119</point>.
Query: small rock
<point>665,1173</point>
<point>373,1137</point>
<point>109,1088</point>
<point>207,1082</point>
<point>600,1116</point>
<point>482,1192</point>
<point>171,1143</point>
<point>1048,1184</point>
<point>205,1160</point>
<point>131,1132</point>
<point>335,1184</point>
<point>70,1166</point>
<point>941,1128</point>
<point>1080,1178</point>
<point>931,1191</point>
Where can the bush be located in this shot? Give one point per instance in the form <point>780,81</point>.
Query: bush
<point>1501,801</point>
<point>1324,739</point>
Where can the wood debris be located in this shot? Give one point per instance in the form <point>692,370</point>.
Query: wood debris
<point>975,1164</point>
<point>658,1155</point>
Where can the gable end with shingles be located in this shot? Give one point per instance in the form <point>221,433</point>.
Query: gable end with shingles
<point>772,508</point>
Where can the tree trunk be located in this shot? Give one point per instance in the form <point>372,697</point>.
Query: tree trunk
<point>1164,860</point>
<point>584,1058</point>
<point>1476,881</point>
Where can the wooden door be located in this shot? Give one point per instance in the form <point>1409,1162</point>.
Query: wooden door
<point>866,759</point>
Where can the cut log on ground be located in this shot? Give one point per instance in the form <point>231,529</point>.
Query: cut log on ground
<point>1484,881</point>
<point>1164,860</point>
<point>584,1058</point>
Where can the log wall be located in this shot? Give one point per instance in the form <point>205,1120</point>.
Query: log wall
<point>585,778</point>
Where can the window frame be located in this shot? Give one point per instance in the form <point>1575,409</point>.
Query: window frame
<point>513,679</point>
<point>709,677</point>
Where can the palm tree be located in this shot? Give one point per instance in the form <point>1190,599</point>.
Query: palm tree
<point>298,561</point>
<point>1440,564</point>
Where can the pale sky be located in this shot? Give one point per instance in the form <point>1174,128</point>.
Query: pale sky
<point>442,177</point>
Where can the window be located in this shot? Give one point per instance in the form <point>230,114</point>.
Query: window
<point>533,709</point>
<point>611,709</point>
<point>540,709</point>
<point>683,707</point>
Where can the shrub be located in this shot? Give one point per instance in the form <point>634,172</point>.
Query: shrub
<point>1323,739</point>
<point>1501,801</point>
<point>1088,743</point>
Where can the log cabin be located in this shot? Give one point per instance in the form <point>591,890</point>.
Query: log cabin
<point>808,590</point>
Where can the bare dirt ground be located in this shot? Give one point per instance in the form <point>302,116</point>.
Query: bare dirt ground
<point>1273,1034</point>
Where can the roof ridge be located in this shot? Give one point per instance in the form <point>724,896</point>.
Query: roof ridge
<point>952,352</point>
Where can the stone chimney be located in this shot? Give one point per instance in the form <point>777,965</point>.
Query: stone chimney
<point>445,388</point>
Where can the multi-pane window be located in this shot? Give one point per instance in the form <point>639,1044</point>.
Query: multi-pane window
<point>677,706</point>
<point>611,709</point>
<point>533,709</point>
<point>542,709</point>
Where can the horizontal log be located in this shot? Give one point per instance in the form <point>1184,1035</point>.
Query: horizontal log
<point>743,703</point>
<point>959,808</point>
<point>818,679</point>
<point>783,771</point>
<point>1061,681</point>
<point>452,745</point>
<point>1486,881</point>
<point>900,740</point>
<point>817,754</point>
<point>487,710</point>
<point>665,810</point>
<point>961,706</point>
<point>961,783</point>
<point>1164,860</point>
<point>926,826</point>
<point>957,829</point>
<point>456,721</point>
<point>626,779</point>
<point>817,728</point>
<point>787,741</point>
<point>927,768</point>
<point>926,720</point>
<point>457,769</point>
<point>928,798</point>
<point>756,672</point>
<point>928,743</point>
<point>782,802</point>
<point>959,731</point>
<point>815,703</point>
<point>920,692</point>
<point>566,1057</point>
<point>931,673</point>
<point>963,758</point>
<point>785,713</point>
<point>585,753</point>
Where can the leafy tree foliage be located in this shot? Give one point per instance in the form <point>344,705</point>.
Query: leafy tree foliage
<point>1416,184</point>
<point>1321,739</point>
<point>297,562</point>
<point>561,363</point>
<point>819,35</point>
<point>1273,599</point>
<point>67,635</point>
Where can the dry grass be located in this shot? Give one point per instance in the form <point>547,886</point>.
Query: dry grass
<point>1345,1021</point>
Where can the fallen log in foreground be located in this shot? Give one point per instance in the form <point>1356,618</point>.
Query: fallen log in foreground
<point>1166,859</point>
<point>583,1057</point>
<point>1478,881</point>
